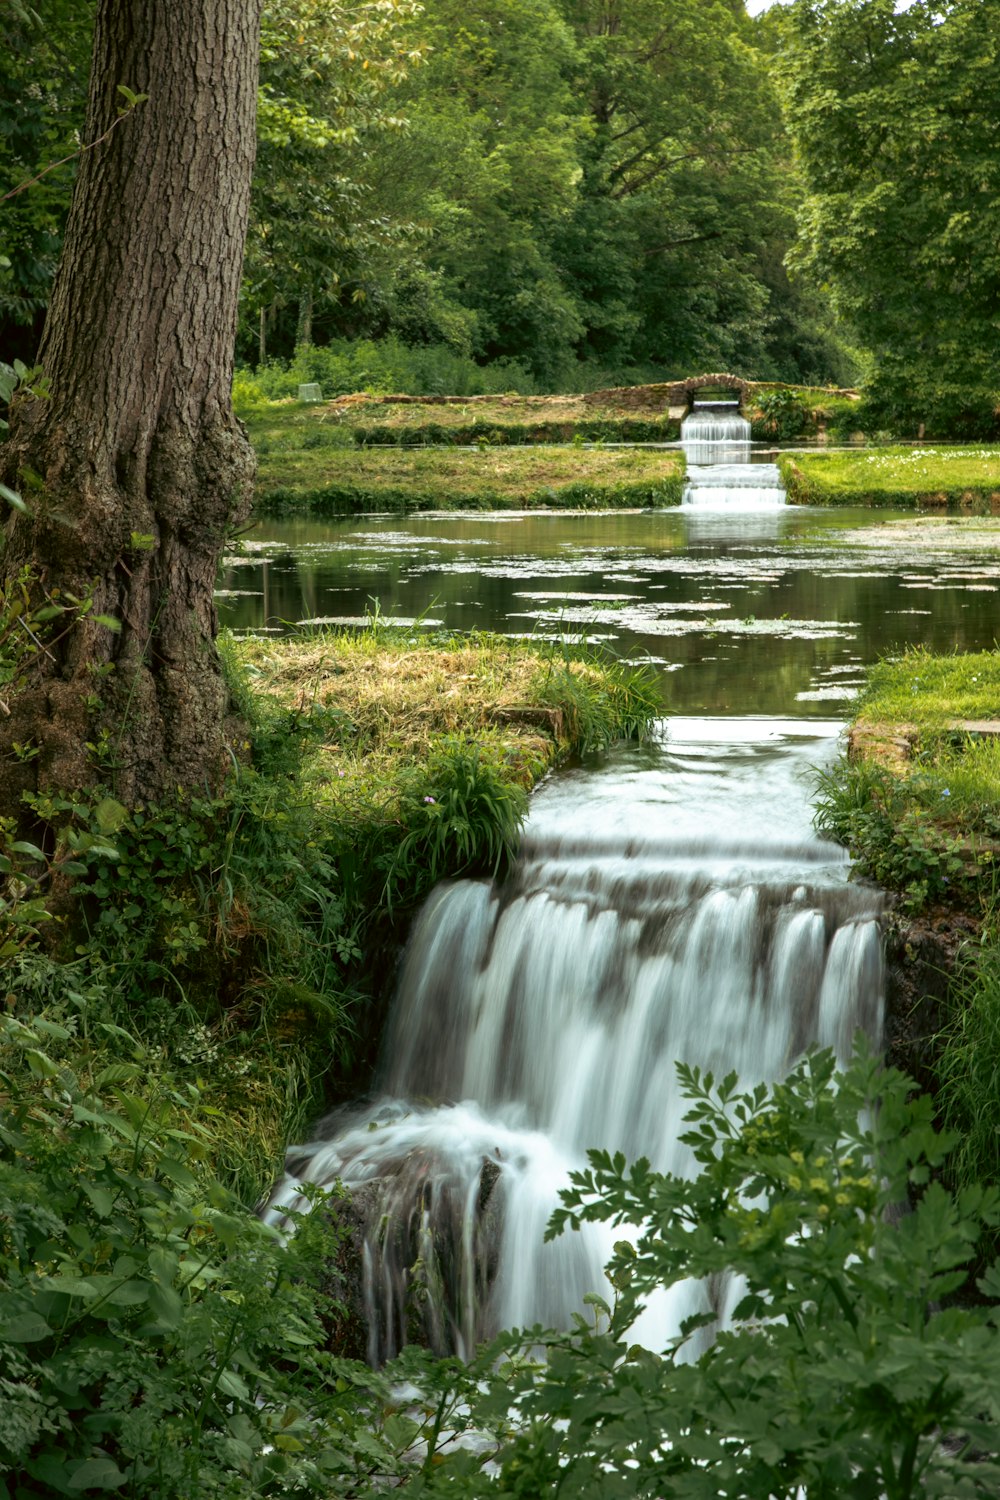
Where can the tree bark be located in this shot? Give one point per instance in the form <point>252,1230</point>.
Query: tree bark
<point>304,333</point>
<point>141,469</point>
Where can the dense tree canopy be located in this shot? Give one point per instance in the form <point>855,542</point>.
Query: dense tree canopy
<point>592,185</point>
<point>894,112</point>
<point>553,180</point>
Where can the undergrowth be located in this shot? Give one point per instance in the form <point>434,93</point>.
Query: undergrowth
<point>926,825</point>
<point>234,938</point>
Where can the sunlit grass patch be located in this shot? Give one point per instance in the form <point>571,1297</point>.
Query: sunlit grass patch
<point>903,477</point>
<point>927,689</point>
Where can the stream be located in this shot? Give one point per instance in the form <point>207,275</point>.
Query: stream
<point>670,902</point>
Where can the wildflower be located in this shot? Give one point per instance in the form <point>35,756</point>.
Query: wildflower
<point>430,799</point>
<point>946,792</point>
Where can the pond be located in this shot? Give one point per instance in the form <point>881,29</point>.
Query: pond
<point>746,612</point>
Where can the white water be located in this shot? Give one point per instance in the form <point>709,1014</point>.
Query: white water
<point>677,908</point>
<point>720,474</point>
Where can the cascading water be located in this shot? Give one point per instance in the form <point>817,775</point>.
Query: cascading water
<point>720,471</point>
<point>681,909</point>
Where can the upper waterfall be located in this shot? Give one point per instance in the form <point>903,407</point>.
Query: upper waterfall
<point>720,470</point>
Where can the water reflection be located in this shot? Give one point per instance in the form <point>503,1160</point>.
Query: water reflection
<point>770,611</point>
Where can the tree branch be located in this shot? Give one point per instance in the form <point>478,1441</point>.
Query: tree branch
<point>74,154</point>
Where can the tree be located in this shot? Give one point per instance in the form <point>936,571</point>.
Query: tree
<point>894,115</point>
<point>314,231</point>
<point>135,469</point>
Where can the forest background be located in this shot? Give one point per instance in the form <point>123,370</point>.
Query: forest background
<point>565,194</point>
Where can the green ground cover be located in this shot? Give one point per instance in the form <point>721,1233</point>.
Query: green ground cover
<point>918,805</point>
<point>967,478</point>
<point>374,420</point>
<point>338,481</point>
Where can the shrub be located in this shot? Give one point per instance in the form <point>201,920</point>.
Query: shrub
<point>844,1368</point>
<point>156,1340</point>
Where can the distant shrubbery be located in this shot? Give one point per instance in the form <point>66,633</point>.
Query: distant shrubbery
<point>381,367</point>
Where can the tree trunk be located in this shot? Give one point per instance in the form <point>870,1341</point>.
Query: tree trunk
<point>304,332</point>
<point>142,469</point>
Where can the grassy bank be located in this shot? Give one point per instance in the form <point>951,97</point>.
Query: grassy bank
<point>337,481</point>
<point>227,951</point>
<point>903,478</point>
<point>631,414</point>
<point>917,802</point>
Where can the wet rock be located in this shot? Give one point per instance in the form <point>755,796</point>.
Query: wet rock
<point>922,955</point>
<point>385,1223</point>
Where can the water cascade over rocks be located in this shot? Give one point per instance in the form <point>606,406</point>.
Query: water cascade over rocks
<point>675,907</point>
<point>720,471</point>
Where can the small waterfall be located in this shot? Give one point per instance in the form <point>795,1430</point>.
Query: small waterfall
<point>720,471</point>
<point>680,909</point>
<point>715,422</point>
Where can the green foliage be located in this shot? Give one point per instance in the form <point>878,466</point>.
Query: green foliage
<point>157,1341</point>
<point>845,1366</point>
<point>968,1066</point>
<point>783,414</point>
<point>462,813</point>
<point>620,704</point>
<point>380,366</point>
<point>325,69</point>
<point>43,82</point>
<point>894,831</point>
<point>927,828</point>
<point>891,110</point>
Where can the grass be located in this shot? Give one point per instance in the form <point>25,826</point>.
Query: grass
<point>394,700</point>
<point>637,414</point>
<point>919,803</point>
<point>337,481</point>
<point>967,478</point>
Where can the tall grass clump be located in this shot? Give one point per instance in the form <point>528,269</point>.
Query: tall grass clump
<point>968,1067</point>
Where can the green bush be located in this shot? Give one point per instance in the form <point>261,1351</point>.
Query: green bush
<point>381,367</point>
<point>845,1367</point>
<point>156,1340</point>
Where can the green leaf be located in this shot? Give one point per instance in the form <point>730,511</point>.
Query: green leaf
<point>96,1474</point>
<point>40,1063</point>
<point>108,621</point>
<point>26,1328</point>
<point>21,846</point>
<point>109,815</point>
<point>165,1305</point>
<point>231,1384</point>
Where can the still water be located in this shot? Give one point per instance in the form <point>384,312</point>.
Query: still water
<point>759,612</point>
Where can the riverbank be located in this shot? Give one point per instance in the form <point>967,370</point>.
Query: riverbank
<point>625,414</point>
<point>965,479</point>
<point>917,802</point>
<point>335,481</point>
<point>235,953</point>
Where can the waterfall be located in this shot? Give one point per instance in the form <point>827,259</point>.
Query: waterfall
<point>715,422</point>
<point>720,471</point>
<point>677,908</point>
